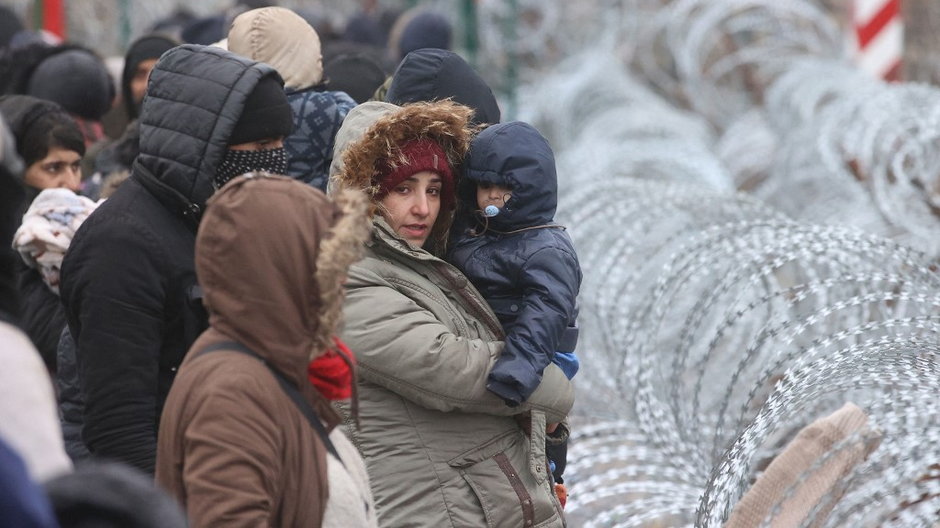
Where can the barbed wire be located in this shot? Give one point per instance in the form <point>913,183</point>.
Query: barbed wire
<point>718,325</point>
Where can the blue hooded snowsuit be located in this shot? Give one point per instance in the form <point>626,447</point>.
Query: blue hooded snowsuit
<point>521,261</point>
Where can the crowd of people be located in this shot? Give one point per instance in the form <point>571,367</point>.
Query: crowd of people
<point>275,276</point>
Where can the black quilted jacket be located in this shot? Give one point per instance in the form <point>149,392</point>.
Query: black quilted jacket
<point>128,281</point>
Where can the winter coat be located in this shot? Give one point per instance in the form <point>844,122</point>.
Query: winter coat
<point>436,74</point>
<point>234,449</point>
<point>22,501</point>
<point>317,118</point>
<point>28,418</point>
<point>42,240</point>
<point>71,401</point>
<point>521,261</point>
<point>110,494</point>
<point>11,214</point>
<point>128,282</point>
<point>440,449</point>
<point>283,39</point>
<point>29,303</point>
<point>42,316</point>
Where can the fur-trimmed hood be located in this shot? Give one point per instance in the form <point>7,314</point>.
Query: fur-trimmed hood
<point>444,122</point>
<point>271,256</point>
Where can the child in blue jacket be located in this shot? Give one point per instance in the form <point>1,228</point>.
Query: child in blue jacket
<point>506,242</point>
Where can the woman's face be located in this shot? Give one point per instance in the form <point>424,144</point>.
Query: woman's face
<point>412,207</point>
<point>60,168</point>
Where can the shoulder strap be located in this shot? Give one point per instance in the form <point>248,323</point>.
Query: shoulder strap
<point>286,385</point>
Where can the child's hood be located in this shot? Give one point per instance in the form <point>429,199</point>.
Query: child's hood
<point>515,155</point>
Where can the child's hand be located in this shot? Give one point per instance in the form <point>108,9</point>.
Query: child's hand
<point>550,428</point>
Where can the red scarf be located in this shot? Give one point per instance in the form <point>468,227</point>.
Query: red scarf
<point>332,372</point>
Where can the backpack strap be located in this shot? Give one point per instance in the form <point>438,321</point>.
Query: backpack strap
<point>302,404</point>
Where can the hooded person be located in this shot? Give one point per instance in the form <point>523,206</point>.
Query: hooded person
<point>441,450</point>
<point>246,439</point>
<point>51,146</point>
<point>506,241</point>
<point>109,164</point>
<point>283,39</point>
<point>435,75</point>
<point>28,421</point>
<point>48,140</point>
<point>128,281</point>
<point>423,29</point>
<point>139,60</point>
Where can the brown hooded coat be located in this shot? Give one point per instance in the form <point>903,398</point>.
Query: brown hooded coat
<point>271,255</point>
<point>441,450</point>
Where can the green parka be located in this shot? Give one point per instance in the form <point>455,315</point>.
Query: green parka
<point>440,449</point>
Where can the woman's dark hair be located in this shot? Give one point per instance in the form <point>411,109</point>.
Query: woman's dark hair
<point>51,130</point>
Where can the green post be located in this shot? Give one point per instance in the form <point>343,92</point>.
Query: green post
<point>470,31</point>
<point>125,24</point>
<point>37,15</point>
<point>512,74</point>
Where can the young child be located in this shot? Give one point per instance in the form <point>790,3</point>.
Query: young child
<point>522,262</point>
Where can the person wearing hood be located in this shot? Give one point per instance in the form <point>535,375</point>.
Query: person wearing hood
<point>48,140</point>
<point>109,164</point>
<point>141,57</point>
<point>441,450</point>
<point>246,439</point>
<point>436,74</point>
<point>283,39</point>
<point>417,29</point>
<point>51,146</point>
<point>128,282</point>
<point>28,420</point>
<point>525,265</point>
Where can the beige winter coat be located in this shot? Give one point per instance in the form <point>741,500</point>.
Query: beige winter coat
<point>440,449</point>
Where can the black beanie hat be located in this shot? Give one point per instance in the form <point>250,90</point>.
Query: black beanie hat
<point>266,113</point>
<point>144,48</point>
<point>76,79</point>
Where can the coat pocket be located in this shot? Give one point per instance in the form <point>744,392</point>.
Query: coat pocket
<point>500,477</point>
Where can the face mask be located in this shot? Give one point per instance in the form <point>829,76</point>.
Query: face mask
<point>238,162</point>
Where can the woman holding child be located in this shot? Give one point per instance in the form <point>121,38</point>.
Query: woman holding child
<point>441,449</point>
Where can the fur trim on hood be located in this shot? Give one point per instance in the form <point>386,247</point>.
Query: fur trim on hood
<point>271,256</point>
<point>445,122</point>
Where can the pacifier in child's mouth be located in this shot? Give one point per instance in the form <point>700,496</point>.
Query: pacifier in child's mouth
<point>490,211</point>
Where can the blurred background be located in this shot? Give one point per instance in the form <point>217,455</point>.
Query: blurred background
<point>753,187</point>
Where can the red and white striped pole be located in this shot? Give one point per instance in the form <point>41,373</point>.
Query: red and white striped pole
<point>877,39</point>
<point>50,16</point>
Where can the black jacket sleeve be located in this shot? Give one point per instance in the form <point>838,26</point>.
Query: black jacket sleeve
<point>42,316</point>
<point>71,401</point>
<point>114,286</point>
